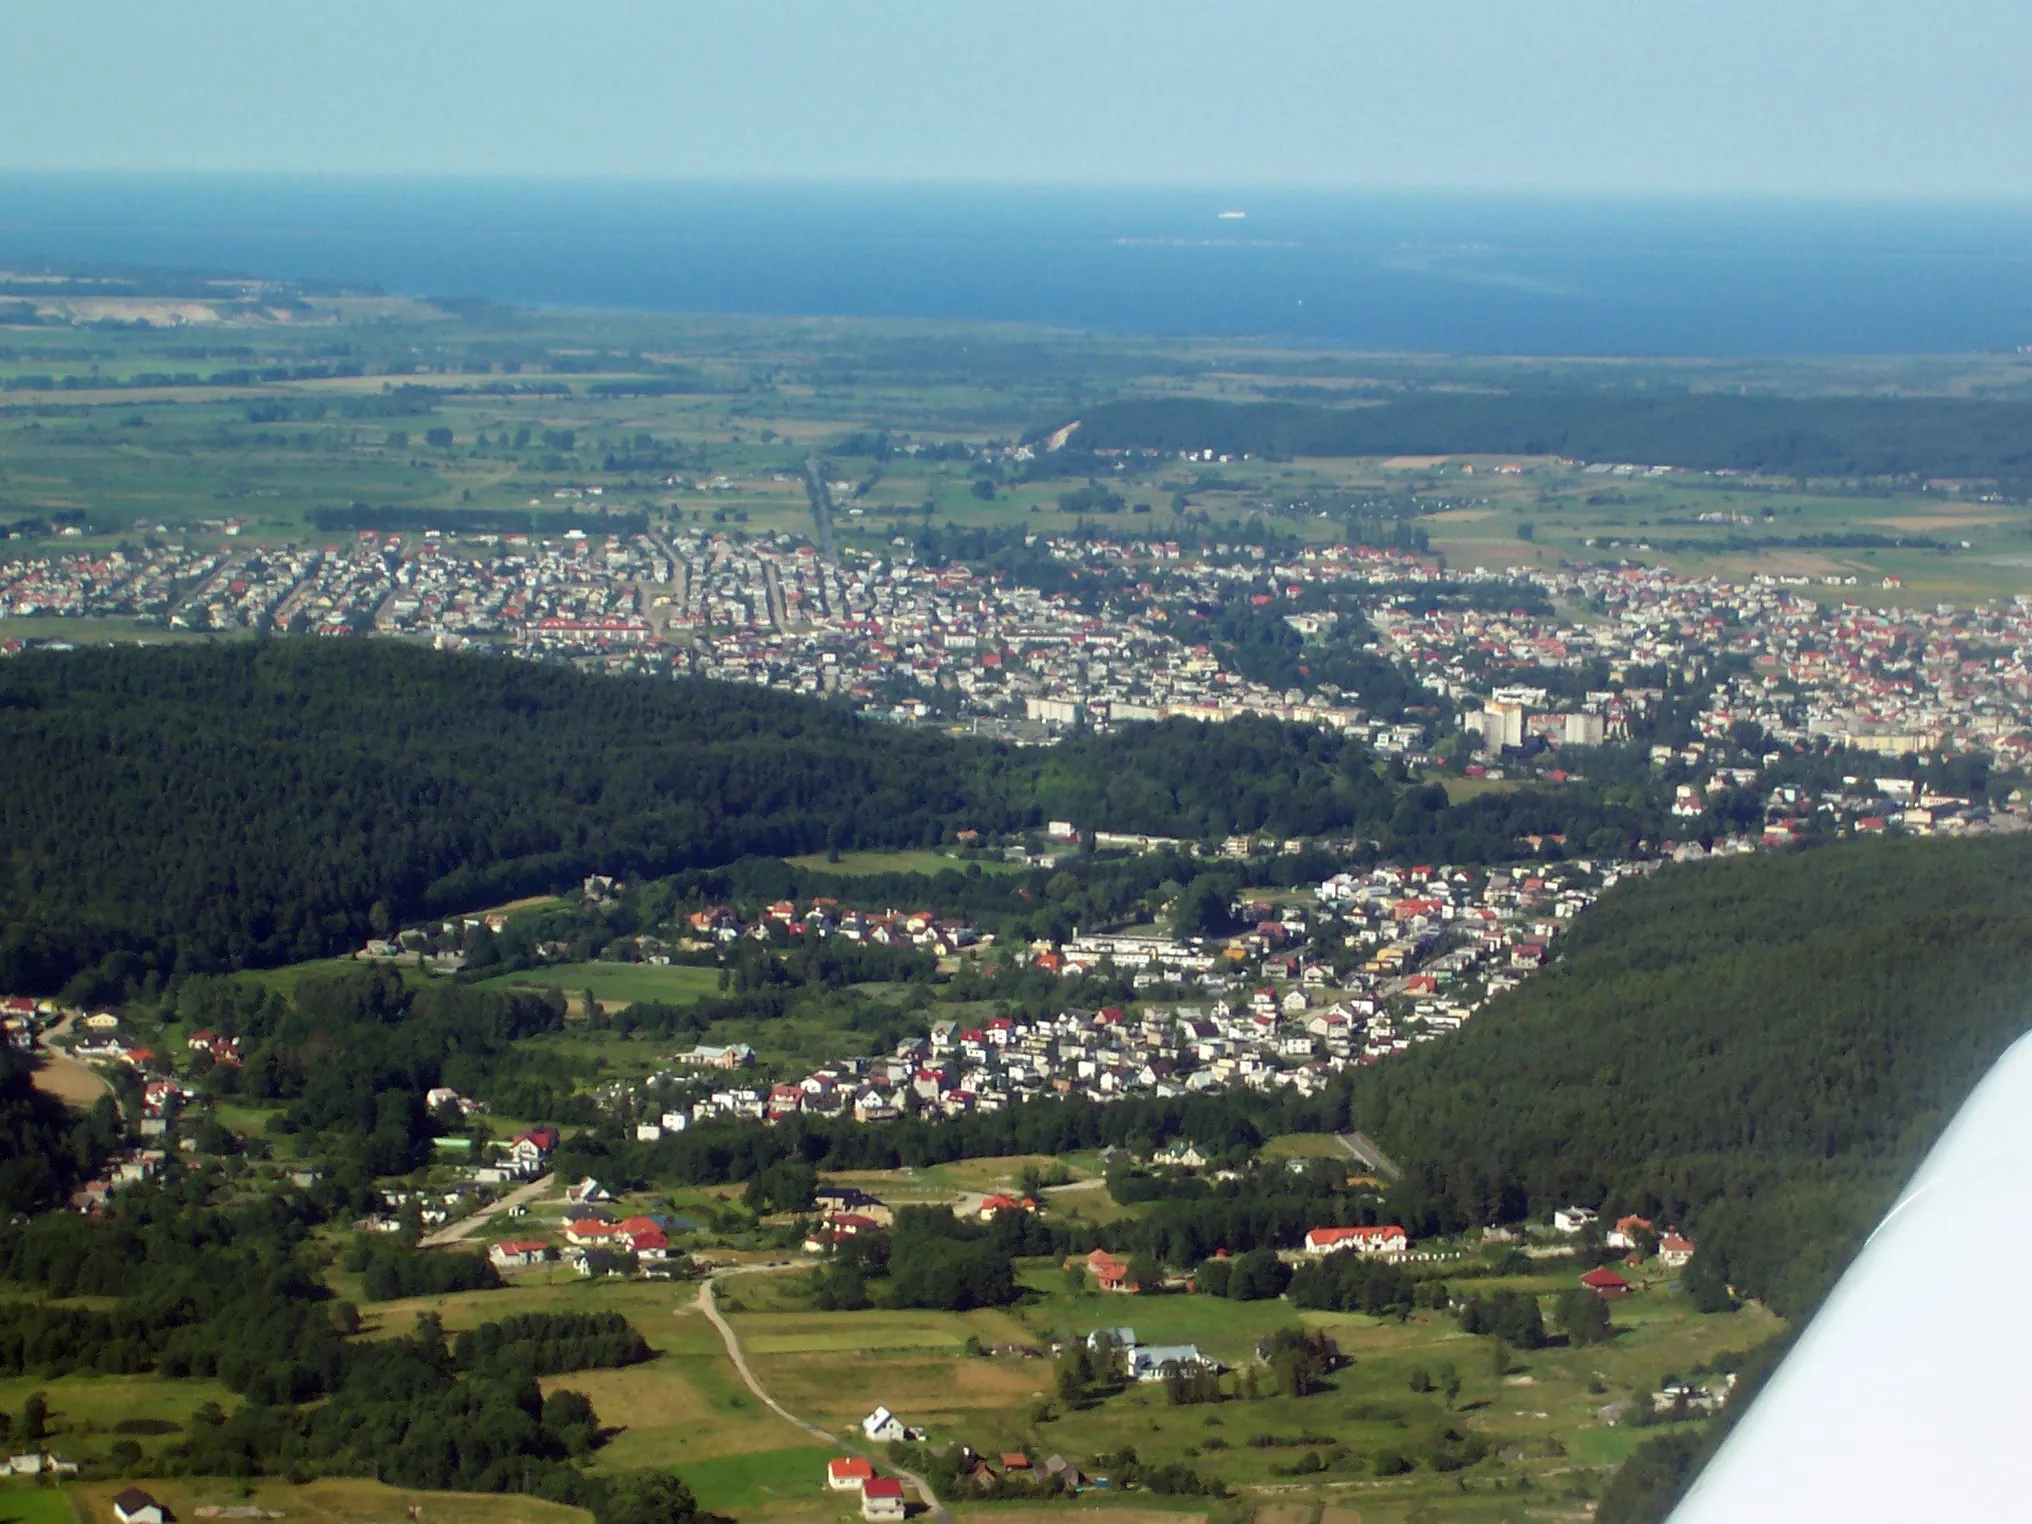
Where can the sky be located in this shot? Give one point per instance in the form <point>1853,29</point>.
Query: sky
<point>1791,98</point>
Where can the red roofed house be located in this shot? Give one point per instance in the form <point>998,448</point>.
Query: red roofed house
<point>848,1473</point>
<point>1624,1234</point>
<point>1605,1283</point>
<point>882,1500</point>
<point>1674,1251</point>
<point>1112,1273</point>
<point>1389,1239</point>
<point>990,1205</point>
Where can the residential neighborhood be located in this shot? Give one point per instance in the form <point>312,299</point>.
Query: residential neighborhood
<point>906,640</point>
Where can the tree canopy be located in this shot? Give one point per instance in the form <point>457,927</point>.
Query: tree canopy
<point>1760,1048</point>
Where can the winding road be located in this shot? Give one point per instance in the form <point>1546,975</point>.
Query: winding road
<point>710,1308</point>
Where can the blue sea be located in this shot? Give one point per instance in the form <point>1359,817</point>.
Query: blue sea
<point>1394,272</point>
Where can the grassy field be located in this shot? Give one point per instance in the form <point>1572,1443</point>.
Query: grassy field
<point>330,1501</point>
<point>770,1484</point>
<point>1460,790</point>
<point>1541,1413</point>
<point>868,864</point>
<point>290,975</point>
<point>22,1503</point>
<point>1306,1145</point>
<point>194,446</point>
<point>84,1409</point>
<point>685,1406</point>
<point>687,1409</point>
<point>618,984</point>
<point>71,1082</point>
<point>943,1182</point>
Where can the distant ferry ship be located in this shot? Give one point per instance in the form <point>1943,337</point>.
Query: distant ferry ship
<point>1233,216</point>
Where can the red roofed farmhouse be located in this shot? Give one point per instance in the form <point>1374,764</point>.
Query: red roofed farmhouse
<point>1112,1273</point>
<point>848,1473</point>
<point>1387,1239</point>
<point>882,1500</point>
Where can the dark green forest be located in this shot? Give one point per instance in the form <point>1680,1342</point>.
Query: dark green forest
<point>189,1284</point>
<point>255,804</point>
<point>186,810</point>
<point>1761,1049</point>
<point>1805,437</point>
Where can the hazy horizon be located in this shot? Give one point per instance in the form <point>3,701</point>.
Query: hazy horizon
<point>1870,99</point>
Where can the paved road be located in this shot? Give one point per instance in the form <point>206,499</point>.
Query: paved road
<point>1091,1183</point>
<point>821,497</point>
<point>453,1232</point>
<point>1362,1148</point>
<point>727,1336</point>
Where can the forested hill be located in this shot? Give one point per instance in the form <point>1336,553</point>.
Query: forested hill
<point>1818,436</point>
<point>205,807</point>
<point>1762,1048</point>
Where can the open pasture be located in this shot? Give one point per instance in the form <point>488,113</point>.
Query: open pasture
<point>332,1500</point>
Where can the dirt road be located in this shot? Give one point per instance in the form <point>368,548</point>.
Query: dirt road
<point>454,1232</point>
<point>711,1309</point>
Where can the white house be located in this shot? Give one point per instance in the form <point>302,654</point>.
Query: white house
<point>882,1427</point>
<point>133,1506</point>
<point>1147,1361</point>
<point>1386,1239</point>
<point>1572,1219</point>
<point>848,1473</point>
<point>519,1251</point>
<point>882,1500</point>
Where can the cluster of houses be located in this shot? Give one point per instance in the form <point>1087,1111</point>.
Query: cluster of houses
<point>881,1496</point>
<point>1628,1233</point>
<point>845,1211</point>
<point>22,1018</point>
<point>1437,943</point>
<point>597,1241</point>
<point>128,1167</point>
<point>1112,1273</point>
<point>824,917</point>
